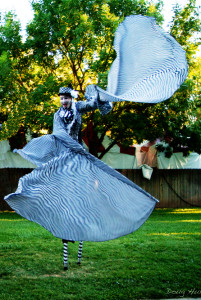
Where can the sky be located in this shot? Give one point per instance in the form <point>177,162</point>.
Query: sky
<point>22,8</point>
<point>24,11</point>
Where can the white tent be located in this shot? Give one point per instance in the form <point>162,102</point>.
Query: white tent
<point>118,157</point>
<point>143,156</point>
<point>8,159</point>
<point>147,154</point>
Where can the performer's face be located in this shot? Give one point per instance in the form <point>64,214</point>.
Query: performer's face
<point>66,101</point>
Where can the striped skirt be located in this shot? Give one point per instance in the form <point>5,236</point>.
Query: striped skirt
<point>77,197</point>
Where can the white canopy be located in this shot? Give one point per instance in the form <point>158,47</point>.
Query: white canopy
<point>8,159</point>
<point>118,157</point>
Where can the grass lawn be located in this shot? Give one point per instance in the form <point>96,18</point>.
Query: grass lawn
<point>159,261</point>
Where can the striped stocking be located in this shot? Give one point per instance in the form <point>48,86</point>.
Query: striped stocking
<point>80,253</point>
<point>65,254</point>
<point>65,243</point>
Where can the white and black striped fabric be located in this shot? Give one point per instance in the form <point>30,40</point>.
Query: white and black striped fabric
<point>74,195</point>
<point>150,64</point>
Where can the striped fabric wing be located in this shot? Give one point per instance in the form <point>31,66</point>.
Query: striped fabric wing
<point>73,194</point>
<point>77,197</point>
<point>150,64</point>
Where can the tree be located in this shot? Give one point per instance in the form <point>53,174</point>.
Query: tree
<point>68,41</point>
<point>182,128</point>
<point>23,84</point>
<point>71,41</point>
<point>174,121</point>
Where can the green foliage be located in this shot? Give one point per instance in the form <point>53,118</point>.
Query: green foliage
<point>184,124</point>
<point>166,249</point>
<point>24,85</point>
<point>184,24</point>
<point>168,151</point>
<point>71,41</point>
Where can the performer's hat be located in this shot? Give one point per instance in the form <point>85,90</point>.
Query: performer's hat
<point>68,91</point>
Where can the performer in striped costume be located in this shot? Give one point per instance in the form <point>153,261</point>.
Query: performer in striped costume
<point>73,194</point>
<point>70,114</point>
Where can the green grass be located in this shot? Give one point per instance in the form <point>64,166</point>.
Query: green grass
<point>159,261</point>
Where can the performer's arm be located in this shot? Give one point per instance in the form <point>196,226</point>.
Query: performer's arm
<point>86,106</point>
<point>93,102</point>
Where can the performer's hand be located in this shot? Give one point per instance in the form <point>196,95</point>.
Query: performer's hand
<point>91,93</point>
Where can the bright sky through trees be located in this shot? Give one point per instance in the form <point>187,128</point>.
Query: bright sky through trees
<point>24,11</point>
<point>30,76</point>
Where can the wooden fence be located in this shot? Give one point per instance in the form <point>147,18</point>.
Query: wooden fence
<point>173,188</point>
<point>8,183</point>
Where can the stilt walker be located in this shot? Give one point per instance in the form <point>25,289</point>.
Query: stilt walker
<point>73,194</point>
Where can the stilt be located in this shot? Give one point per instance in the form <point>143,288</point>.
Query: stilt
<point>80,253</point>
<point>65,254</point>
